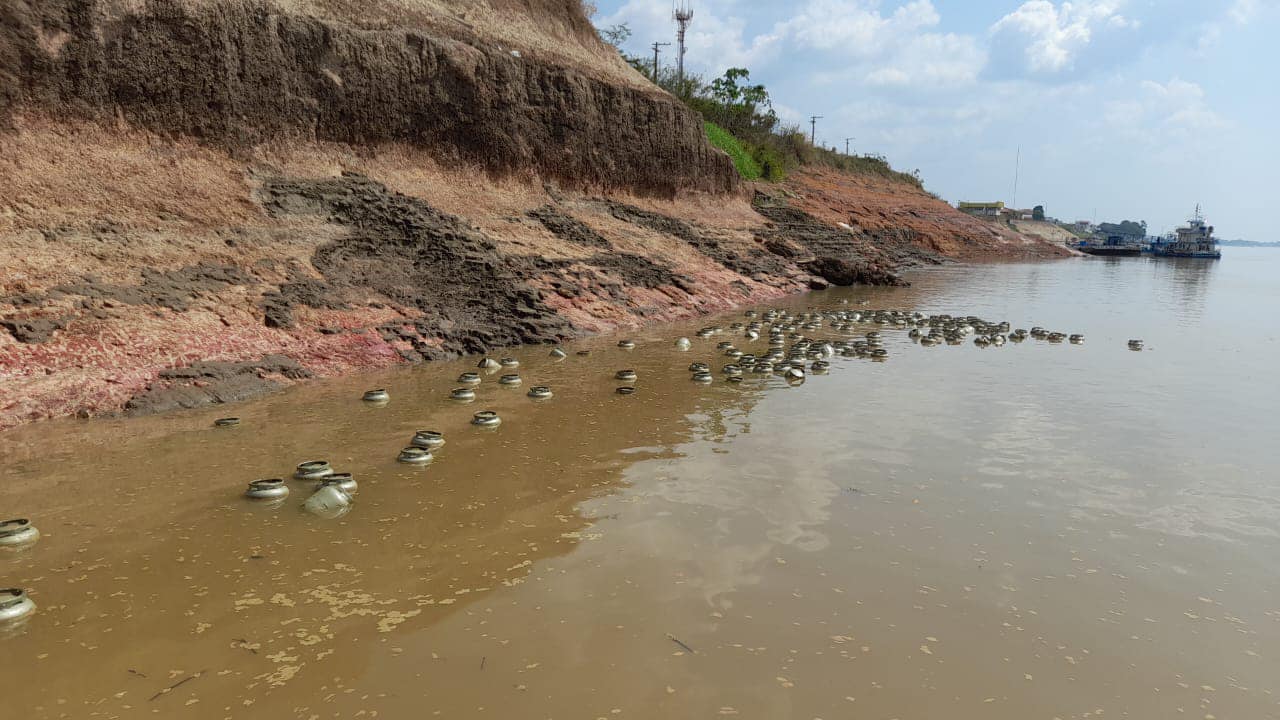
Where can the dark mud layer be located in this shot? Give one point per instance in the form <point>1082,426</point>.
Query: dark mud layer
<point>468,296</point>
<point>567,227</point>
<point>32,330</point>
<point>758,264</point>
<point>277,305</point>
<point>213,383</point>
<point>238,73</point>
<point>838,255</point>
<point>172,289</point>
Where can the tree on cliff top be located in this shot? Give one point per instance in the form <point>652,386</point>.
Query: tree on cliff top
<point>1128,228</point>
<point>617,35</point>
<point>736,105</point>
<point>744,122</point>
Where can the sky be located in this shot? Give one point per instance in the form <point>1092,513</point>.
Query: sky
<point>1123,109</point>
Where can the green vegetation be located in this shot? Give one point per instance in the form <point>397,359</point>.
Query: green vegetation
<point>740,120</point>
<point>747,167</point>
<point>1130,228</point>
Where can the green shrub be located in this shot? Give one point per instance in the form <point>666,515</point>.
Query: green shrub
<point>773,166</point>
<point>742,160</point>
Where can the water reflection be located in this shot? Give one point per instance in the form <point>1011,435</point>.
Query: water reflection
<point>1036,530</point>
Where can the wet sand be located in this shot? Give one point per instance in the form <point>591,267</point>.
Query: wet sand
<point>1031,531</point>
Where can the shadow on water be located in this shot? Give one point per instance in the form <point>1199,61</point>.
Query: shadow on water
<point>153,567</point>
<point>1037,530</point>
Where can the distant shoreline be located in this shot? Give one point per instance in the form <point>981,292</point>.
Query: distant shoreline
<point>1248,243</point>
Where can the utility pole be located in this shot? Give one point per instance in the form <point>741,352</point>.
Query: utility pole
<point>656,47</point>
<point>846,145</point>
<point>682,13</point>
<point>813,129</point>
<point>1016,169</point>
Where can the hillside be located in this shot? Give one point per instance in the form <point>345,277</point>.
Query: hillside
<point>208,199</point>
<point>1045,230</point>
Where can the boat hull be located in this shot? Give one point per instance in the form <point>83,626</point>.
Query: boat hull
<point>1203,255</point>
<point>1104,251</point>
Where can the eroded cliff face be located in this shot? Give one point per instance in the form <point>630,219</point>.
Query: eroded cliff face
<point>207,199</point>
<point>239,73</point>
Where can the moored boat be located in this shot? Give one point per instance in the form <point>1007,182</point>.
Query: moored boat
<point>1114,246</point>
<point>1196,240</point>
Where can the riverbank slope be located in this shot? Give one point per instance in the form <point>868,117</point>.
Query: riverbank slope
<point>208,199</point>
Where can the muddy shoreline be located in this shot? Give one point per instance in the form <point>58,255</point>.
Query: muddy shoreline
<point>379,185</point>
<point>451,290</point>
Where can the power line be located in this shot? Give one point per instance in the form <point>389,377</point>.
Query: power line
<point>813,129</point>
<point>656,48</point>
<point>846,144</point>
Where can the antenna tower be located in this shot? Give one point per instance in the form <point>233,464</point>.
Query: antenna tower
<point>1017,169</point>
<point>682,13</point>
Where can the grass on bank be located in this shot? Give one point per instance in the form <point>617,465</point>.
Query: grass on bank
<point>739,119</point>
<point>776,153</point>
<point>747,167</point>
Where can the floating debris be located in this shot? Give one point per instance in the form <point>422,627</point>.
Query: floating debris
<point>15,605</point>
<point>312,470</point>
<point>271,489</point>
<point>345,482</point>
<point>429,439</point>
<point>328,502</point>
<point>18,533</point>
<point>415,455</point>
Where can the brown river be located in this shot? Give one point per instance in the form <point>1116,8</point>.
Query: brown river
<point>1034,531</point>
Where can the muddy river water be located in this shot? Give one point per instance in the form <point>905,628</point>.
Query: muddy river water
<point>1031,531</point>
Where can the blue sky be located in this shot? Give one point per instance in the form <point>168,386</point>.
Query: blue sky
<point>1132,109</point>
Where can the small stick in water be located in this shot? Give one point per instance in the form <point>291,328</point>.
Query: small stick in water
<point>176,685</point>
<point>482,659</point>
<point>677,641</point>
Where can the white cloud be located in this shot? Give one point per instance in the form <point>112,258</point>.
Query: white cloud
<point>932,60</point>
<point>1051,38</point>
<point>1239,14</point>
<point>1242,11</point>
<point>856,27</point>
<point>884,50</point>
<point>869,44</point>
<point>716,39</point>
<point>1175,112</point>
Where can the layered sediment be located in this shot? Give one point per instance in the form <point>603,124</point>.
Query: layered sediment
<point>237,73</point>
<point>208,199</point>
